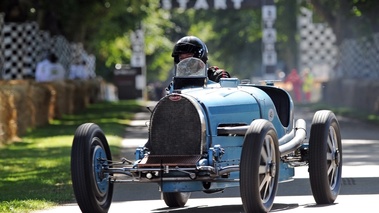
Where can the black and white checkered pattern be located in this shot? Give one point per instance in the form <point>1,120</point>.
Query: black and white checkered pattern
<point>317,43</point>
<point>359,58</point>
<point>1,42</point>
<point>14,46</point>
<point>23,45</point>
<point>31,49</point>
<point>91,61</point>
<point>78,53</point>
<point>62,48</point>
<point>354,58</point>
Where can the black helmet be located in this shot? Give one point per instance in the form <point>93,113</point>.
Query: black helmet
<point>190,44</point>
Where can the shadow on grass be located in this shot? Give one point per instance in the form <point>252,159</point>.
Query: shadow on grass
<point>35,173</point>
<point>112,117</point>
<point>38,167</point>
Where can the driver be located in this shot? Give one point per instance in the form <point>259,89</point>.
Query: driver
<point>191,46</point>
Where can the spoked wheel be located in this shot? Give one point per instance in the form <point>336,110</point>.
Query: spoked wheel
<point>176,199</point>
<point>325,157</point>
<point>259,167</point>
<point>90,153</point>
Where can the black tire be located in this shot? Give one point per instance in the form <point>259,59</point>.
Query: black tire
<point>93,190</point>
<point>176,199</point>
<point>325,157</point>
<point>260,151</point>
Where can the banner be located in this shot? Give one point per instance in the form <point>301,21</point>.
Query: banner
<point>210,4</point>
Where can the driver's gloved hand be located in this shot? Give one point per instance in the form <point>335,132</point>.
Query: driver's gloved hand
<point>215,73</point>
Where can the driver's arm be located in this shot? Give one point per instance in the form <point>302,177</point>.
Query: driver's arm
<point>215,73</point>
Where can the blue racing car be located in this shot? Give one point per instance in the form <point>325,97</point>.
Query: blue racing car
<point>207,136</point>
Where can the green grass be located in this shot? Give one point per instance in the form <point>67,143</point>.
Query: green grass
<point>347,112</point>
<point>35,172</point>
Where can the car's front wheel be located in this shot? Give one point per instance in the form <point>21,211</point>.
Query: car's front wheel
<point>90,153</point>
<point>259,167</point>
<point>325,157</point>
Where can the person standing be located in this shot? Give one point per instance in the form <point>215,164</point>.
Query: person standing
<point>307,84</point>
<point>41,71</point>
<point>296,82</point>
<point>55,70</point>
<point>79,70</point>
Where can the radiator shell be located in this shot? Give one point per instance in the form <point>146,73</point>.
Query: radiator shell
<point>177,127</point>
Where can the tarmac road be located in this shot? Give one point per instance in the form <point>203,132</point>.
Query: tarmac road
<point>359,191</point>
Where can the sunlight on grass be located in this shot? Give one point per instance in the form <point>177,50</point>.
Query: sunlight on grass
<point>348,112</point>
<point>24,206</point>
<point>35,172</point>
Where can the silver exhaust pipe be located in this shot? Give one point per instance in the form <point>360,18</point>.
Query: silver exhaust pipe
<point>292,141</point>
<point>287,144</point>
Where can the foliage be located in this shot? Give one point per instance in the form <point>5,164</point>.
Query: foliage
<point>233,37</point>
<point>346,112</point>
<point>232,43</point>
<point>36,171</point>
<point>348,18</point>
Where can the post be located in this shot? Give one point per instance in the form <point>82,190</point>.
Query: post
<point>269,57</point>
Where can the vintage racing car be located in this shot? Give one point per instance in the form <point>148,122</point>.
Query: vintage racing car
<point>207,136</point>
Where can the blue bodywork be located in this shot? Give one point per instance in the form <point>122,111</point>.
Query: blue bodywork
<point>207,136</point>
<point>230,104</point>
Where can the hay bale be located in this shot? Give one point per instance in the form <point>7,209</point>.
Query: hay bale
<point>94,87</point>
<point>10,116</point>
<point>8,127</point>
<point>22,105</point>
<point>60,102</point>
<point>41,97</point>
<point>78,96</point>
<point>27,104</point>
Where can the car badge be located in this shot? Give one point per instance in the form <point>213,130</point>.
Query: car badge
<point>175,97</point>
<point>271,114</point>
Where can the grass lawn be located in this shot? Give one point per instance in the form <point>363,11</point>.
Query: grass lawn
<point>35,172</point>
<point>347,112</point>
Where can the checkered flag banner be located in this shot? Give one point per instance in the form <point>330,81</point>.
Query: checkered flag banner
<point>23,45</point>
<point>1,42</point>
<point>62,48</point>
<point>78,54</point>
<point>353,58</point>
<point>14,48</point>
<point>359,58</point>
<point>318,51</point>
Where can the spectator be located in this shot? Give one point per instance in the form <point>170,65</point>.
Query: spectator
<point>55,70</point>
<point>307,84</point>
<point>41,72</point>
<point>296,82</point>
<point>79,70</point>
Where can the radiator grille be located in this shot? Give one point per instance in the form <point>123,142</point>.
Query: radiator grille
<point>175,127</point>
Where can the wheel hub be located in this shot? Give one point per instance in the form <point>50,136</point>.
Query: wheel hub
<point>336,157</point>
<point>99,163</point>
<point>271,169</point>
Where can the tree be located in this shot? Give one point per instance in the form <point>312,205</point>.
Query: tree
<point>348,18</point>
<point>232,36</point>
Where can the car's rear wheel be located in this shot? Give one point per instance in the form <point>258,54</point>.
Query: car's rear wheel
<point>259,167</point>
<point>325,157</point>
<point>89,154</point>
<point>176,199</point>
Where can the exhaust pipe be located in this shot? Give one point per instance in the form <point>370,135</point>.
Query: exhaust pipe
<point>289,144</point>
